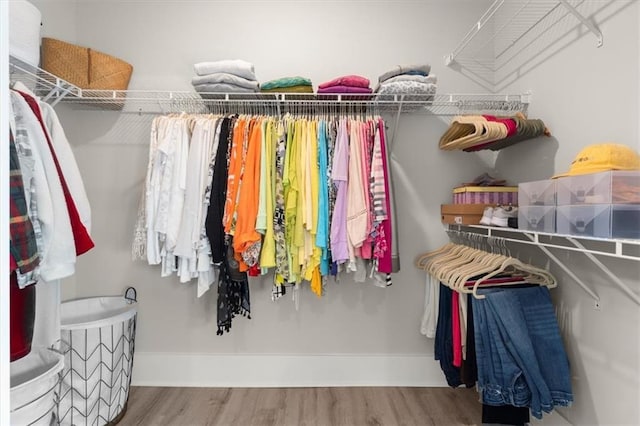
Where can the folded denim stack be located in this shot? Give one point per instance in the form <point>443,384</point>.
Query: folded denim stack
<point>225,76</point>
<point>346,84</point>
<point>287,85</point>
<point>407,79</point>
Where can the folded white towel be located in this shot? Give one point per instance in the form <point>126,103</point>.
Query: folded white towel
<point>223,77</point>
<point>231,66</point>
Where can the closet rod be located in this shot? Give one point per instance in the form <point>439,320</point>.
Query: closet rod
<point>546,251</point>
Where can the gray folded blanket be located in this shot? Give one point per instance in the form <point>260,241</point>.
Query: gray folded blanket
<point>230,66</point>
<point>429,79</point>
<point>223,77</point>
<point>403,69</point>
<point>223,88</point>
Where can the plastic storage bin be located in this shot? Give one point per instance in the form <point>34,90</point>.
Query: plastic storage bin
<point>615,187</point>
<point>585,220</point>
<point>600,220</point>
<point>34,380</point>
<point>625,221</point>
<point>95,382</point>
<point>537,193</point>
<point>537,218</point>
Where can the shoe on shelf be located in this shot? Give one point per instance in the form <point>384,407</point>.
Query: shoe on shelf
<point>486,216</point>
<point>502,214</point>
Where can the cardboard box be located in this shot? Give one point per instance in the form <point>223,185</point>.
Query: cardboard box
<point>462,214</point>
<point>504,195</point>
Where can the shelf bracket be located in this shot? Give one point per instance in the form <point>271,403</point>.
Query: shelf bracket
<point>448,59</point>
<point>587,23</point>
<point>625,288</point>
<point>565,268</point>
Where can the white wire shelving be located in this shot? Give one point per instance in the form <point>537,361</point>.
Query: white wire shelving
<point>505,23</point>
<point>54,89</point>
<point>591,247</point>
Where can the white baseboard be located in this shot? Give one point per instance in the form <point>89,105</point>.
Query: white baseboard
<point>260,370</point>
<point>555,418</point>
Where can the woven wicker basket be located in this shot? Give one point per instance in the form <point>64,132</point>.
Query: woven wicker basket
<point>86,68</point>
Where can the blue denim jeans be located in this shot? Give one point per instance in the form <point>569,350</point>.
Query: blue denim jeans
<point>522,357</point>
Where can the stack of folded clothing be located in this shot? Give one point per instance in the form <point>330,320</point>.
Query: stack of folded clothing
<point>407,79</point>
<point>225,76</point>
<point>288,85</point>
<point>486,179</point>
<point>346,84</point>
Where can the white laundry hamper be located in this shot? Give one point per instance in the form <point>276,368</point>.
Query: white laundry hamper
<point>100,333</point>
<point>34,380</point>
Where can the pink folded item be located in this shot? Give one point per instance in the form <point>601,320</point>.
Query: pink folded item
<point>344,89</point>
<point>347,80</point>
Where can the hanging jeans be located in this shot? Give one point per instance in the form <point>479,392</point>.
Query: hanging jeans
<point>443,344</point>
<point>521,358</point>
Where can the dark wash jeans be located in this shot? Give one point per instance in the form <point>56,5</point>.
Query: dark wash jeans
<point>443,344</point>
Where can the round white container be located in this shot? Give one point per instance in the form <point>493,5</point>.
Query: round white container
<point>34,380</point>
<point>24,31</point>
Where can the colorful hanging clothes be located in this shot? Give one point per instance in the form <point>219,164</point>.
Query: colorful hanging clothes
<point>231,197</point>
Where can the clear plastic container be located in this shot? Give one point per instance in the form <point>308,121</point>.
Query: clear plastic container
<point>537,218</point>
<point>537,193</point>
<point>600,220</point>
<point>615,187</point>
<point>585,220</point>
<point>625,221</point>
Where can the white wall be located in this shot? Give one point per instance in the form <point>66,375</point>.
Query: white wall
<point>585,95</point>
<point>320,40</point>
<point>58,18</point>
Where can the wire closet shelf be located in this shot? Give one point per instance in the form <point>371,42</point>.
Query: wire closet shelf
<point>53,89</point>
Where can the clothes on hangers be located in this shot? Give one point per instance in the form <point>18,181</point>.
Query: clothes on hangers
<point>496,325</point>
<point>227,197</point>
<point>24,258</point>
<point>54,195</point>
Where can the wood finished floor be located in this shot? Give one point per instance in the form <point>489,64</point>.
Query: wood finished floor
<point>302,406</point>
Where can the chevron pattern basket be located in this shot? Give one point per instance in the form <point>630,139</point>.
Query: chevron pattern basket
<point>97,374</point>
